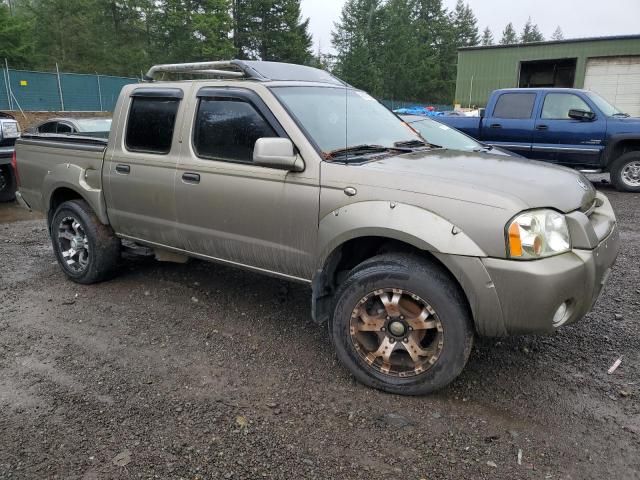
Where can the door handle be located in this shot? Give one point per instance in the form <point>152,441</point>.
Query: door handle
<point>189,177</point>
<point>542,127</point>
<point>123,169</point>
<point>495,125</point>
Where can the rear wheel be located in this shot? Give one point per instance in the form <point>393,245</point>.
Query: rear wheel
<point>87,250</point>
<point>402,325</point>
<point>7,184</point>
<point>625,172</point>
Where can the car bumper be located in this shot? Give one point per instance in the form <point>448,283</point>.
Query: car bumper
<point>530,292</point>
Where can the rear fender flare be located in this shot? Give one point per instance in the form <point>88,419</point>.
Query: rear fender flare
<point>82,181</point>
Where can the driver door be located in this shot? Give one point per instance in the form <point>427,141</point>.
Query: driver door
<point>231,210</point>
<point>561,139</point>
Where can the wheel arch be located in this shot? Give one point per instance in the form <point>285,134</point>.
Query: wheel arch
<point>348,237</point>
<point>620,145</point>
<point>68,182</point>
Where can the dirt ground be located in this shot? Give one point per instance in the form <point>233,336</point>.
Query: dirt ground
<point>200,371</point>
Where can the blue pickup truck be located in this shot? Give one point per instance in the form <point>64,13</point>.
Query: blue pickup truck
<point>570,127</point>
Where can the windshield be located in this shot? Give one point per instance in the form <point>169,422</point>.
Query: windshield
<point>605,107</point>
<point>439,134</point>
<point>94,124</point>
<point>342,118</point>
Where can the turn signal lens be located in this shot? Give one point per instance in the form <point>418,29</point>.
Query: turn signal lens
<point>515,245</point>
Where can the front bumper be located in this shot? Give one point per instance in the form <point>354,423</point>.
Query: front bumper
<point>530,292</point>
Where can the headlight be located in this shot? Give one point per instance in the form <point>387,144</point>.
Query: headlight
<point>537,234</point>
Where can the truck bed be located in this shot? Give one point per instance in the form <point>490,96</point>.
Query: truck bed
<point>47,162</point>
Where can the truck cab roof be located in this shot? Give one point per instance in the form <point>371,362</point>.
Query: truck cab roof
<point>539,90</point>
<point>259,71</point>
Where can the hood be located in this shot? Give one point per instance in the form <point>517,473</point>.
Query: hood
<point>489,179</point>
<point>624,125</point>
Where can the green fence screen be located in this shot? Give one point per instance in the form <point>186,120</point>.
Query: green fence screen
<point>40,91</point>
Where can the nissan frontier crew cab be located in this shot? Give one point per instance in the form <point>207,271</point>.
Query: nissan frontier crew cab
<point>409,250</point>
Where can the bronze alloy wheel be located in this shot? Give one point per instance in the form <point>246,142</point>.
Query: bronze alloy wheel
<point>396,332</point>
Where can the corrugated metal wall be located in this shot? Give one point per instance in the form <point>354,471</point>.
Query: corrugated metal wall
<point>38,91</point>
<point>482,70</point>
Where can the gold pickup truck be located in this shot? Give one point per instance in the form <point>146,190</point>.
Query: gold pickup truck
<point>409,250</point>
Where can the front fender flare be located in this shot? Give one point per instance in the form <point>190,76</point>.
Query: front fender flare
<point>406,223</point>
<point>80,180</point>
<point>612,143</point>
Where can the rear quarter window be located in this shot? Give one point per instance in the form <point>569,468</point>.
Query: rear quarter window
<point>151,124</point>
<point>515,105</point>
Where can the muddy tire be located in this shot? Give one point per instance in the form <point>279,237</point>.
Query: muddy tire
<point>87,250</point>
<point>402,325</point>
<point>7,184</point>
<point>625,172</point>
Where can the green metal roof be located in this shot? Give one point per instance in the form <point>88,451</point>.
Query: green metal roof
<point>484,69</point>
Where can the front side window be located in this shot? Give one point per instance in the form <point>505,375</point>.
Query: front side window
<point>557,106</point>
<point>151,124</point>
<point>227,129</point>
<point>338,118</point>
<point>64,128</point>
<point>515,105</point>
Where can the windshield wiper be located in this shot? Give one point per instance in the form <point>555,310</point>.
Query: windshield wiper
<point>621,114</point>
<point>359,150</point>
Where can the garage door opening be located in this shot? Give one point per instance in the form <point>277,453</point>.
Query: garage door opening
<point>548,73</point>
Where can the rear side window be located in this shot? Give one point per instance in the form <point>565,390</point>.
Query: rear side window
<point>151,124</point>
<point>49,127</point>
<point>515,105</point>
<point>227,129</point>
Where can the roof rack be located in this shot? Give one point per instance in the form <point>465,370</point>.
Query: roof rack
<point>247,69</point>
<point>220,69</point>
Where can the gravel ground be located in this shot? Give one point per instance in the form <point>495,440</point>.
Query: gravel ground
<point>200,371</point>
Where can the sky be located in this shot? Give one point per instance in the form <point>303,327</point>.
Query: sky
<point>577,18</point>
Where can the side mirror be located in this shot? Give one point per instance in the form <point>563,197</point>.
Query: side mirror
<point>277,153</point>
<point>581,115</point>
<point>482,112</point>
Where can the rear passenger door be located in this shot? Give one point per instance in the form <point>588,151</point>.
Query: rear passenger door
<point>511,124</point>
<point>140,168</point>
<point>561,139</point>
<point>232,210</point>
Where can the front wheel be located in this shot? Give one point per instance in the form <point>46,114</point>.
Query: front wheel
<point>87,250</point>
<point>402,325</point>
<point>625,172</point>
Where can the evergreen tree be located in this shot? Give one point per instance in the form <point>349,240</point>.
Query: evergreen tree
<point>272,30</point>
<point>439,60</point>
<point>357,40</point>
<point>557,35</point>
<point>465,25</point>
<point>487,37</point>
<point>509,35</point>
<point>193,30</point>
<point>531,33</point>
<point>16,42</point>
